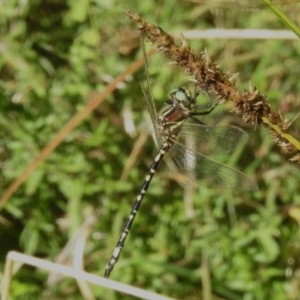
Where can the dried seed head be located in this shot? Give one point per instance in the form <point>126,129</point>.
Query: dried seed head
<point>252,105</point>
<point>296,158</point>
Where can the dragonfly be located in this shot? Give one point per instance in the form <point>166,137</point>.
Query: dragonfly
<point>179,130</point>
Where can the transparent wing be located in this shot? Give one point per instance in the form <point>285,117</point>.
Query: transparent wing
<point>211,140</point>
<point>148,92</point>
<point>199,167</point>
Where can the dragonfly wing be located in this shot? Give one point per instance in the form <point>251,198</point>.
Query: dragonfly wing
<point>148,93</point>
<point>211,140</point>
<point>152,112</point>
<point>199,167</point>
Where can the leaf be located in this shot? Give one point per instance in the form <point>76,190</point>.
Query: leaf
<point>34,180</point>
<point>78,10</point>
<point>269,246</point>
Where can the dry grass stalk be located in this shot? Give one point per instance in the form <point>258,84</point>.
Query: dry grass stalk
<point>252,105</point>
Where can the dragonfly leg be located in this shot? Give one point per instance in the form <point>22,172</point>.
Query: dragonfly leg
<point>206,112</point>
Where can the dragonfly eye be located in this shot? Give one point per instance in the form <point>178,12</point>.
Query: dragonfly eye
<point>181,95</point>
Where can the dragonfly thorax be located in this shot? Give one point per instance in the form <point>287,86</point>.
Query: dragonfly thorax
<point>181,106</point>
<point>170,121</point>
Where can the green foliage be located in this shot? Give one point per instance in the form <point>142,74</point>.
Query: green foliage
<point>54,54</point>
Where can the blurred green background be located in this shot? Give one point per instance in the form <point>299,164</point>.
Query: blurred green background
<point>188,241</point>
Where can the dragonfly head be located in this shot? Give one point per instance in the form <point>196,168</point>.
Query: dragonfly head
<point>181,96</point>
